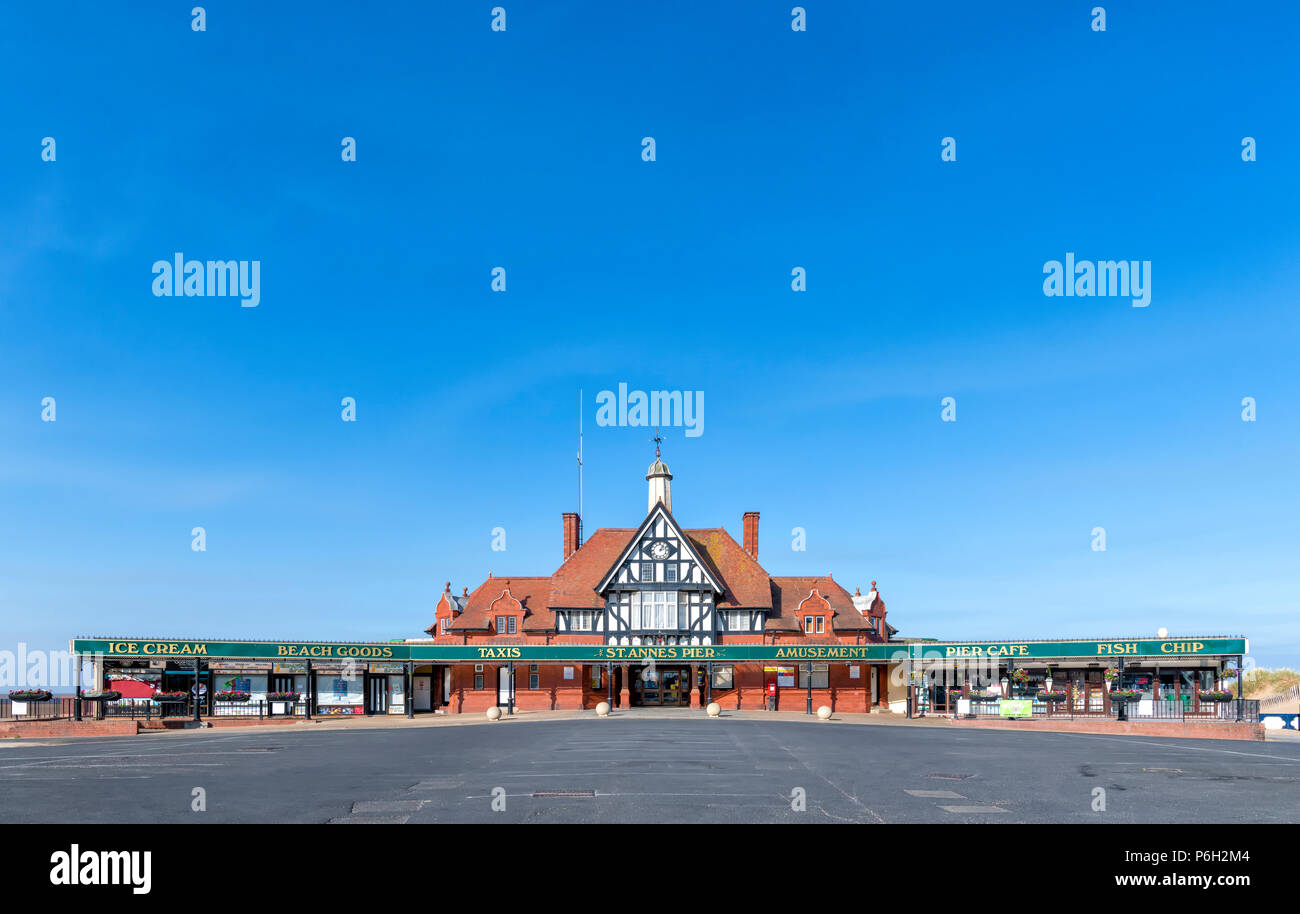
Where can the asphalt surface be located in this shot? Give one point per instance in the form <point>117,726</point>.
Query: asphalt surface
<point>678,767</point>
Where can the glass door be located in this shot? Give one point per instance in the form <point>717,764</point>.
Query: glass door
<point>671,687</point>
<point>377,694</point>
<point>505,686</point>
<point>647,685</point>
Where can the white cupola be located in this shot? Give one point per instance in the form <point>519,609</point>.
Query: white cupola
<point>661,488</point>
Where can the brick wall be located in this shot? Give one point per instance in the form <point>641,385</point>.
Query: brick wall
<point>1197,730</point>
<point>843,693</point>
<point>553,692</point>
<point>37,729</point>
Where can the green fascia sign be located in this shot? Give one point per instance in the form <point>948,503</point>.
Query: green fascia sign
<point>1016,707</point>
<point>182,649</point>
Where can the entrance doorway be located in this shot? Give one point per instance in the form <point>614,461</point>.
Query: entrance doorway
<point>661,686</point>
<point>376,694</point>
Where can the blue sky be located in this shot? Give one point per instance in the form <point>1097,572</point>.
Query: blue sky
<point>775,149</point>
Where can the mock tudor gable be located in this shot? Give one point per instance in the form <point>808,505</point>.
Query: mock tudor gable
<point>659,590</point>
<point>659,552</point>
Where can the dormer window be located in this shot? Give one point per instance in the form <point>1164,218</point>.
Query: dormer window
<point>506,625</point>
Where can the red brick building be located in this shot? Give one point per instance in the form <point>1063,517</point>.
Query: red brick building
<point>656,584</point>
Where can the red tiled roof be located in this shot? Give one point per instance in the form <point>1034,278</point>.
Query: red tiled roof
<point>573,584</point>
<point>530,592</point>
<point>789,592</point>
<point>744,581</point>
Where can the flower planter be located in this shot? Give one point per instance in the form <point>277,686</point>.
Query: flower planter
<point>1051,697</point>
<point>170,704</point>
<point>1214,697</point>
<point>102,695</point>
<point>233,698</point>
<point>23,696</point>
<point>1124,697</point>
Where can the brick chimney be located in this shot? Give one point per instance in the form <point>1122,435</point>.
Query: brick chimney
<point>751,533</point>
<point>572,533</point>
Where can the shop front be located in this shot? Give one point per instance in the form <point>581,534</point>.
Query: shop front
<point>1161,677</point>
<point>1133,679</point>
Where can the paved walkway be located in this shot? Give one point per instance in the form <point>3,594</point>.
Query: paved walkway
<point>426,720</point>
<point>646,766</point>
<point>397,722</point>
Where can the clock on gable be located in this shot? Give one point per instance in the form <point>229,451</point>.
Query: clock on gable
<point>659,551</point>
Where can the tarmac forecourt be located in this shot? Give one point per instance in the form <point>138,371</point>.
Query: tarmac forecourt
<point>174,648</point>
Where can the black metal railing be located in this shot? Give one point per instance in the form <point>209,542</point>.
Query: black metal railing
<point>36,710</point>
<point>217,710</point>
<point>261,710</point>
<point>1243,709</point>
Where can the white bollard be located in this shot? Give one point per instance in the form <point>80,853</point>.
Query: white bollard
<point>494,713</point>
<point>824,713</point>
<point>714,709</point>
<point>602,709</point>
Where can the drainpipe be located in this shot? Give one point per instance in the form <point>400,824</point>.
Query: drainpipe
<point>1240,677</point>
<point>76,702</point>
<point>1123,705</point>
<point>406,690</point>
<point>198,692</point>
